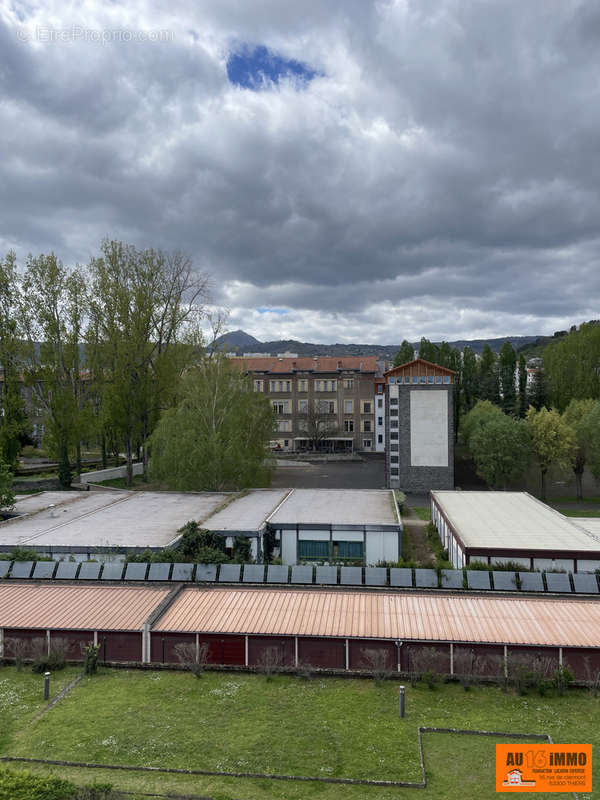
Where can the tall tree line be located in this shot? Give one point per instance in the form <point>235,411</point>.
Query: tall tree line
<point>102,348</point>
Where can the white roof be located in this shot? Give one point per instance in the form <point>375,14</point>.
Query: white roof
<point>337,507</point>
<point>589,524</point>
<point>247,513</point>
<point>111,519</point>
<point>511,520</point>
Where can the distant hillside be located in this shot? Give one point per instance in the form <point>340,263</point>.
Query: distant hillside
<point>244,343</point>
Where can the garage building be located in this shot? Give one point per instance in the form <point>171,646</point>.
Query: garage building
<point>501,527</point>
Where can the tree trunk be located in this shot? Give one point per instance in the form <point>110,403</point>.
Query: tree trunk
<point>579,483</point>
<point>544,484</point>
<point>129,463</point>
<point>103,447</point>
<point>79,459</point>
<point>64,467</point>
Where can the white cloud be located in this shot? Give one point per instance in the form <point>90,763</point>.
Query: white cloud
<point>438,177</point>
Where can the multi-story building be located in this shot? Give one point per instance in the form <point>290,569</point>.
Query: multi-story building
<point>338,394</point>
<point>420,427</point>
<point>380,414</point>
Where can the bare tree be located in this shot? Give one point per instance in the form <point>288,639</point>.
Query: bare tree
<point>17,649</point>
<point>319,421</point>
<point>192,658</point>
<point>270,661</point>
<point>592,676</point>
<point>377,661</point>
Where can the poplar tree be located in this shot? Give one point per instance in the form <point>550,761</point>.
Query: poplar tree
<point>508,364</point>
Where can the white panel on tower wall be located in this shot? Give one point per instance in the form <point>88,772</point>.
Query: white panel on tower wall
<point>288,547</point>
<point>429,428</point>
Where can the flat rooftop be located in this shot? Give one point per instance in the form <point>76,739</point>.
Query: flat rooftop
<point>337,507</point>
<point>30,503</point>
<point>110,519</point>
<point>511,521</point>
<point>247,513</point>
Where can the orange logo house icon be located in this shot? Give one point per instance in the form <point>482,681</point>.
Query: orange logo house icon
<point>515,778</point>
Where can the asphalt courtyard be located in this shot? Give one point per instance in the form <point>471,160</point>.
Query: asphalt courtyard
<point>367,474</point>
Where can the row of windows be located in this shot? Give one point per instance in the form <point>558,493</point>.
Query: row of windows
<point>285,426</point>
<point>421,379</point>
<point>323,406</point>
<point>327,551</point>
<point>320,385</point>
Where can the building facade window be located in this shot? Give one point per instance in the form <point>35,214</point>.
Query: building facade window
<point>280,386</point>
<point>379,402</point>
<point>349,426</point>
<point>348,383</point>
<point>380,420</point>
<point>348,406</point>
<point>259,386</point>
<point>394,435</point>
<point>393,423</point>
<point>366,406</point>
<point>281,406</point>
<point>284,425</point>
<point>325,386</point>
<point>379,438</point>
<point>367,444</point>
<point>326,406</point>
<point>366,426</point>
<point>302,384</point>
<point>393,401</point>
<point>302,406</point>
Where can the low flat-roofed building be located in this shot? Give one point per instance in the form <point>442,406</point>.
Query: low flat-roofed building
<point>498,527</point>
<point>112,523</point>
<point>246,516</point>
<point>337,525</point>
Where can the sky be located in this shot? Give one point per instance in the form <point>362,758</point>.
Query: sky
<point>348,171</point>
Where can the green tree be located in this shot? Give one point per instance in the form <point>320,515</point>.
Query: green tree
<point>470,388</point>
<point>571,366</point>
<point>537,395</point>
<point>553,441</point>
<point>54,306</point>
<point>489,384</point>
<point>523,404</point>
<point>405,354</point>
<point>7,497</point>
<point>481,414</point>
<point>142,302</point>
<point>508,365</point>
<point>591,435</point>
<point>428,351</point>
<point>13,419</point>
<point>501,449</point>
<point>575,415</point>
<point>217,437</point>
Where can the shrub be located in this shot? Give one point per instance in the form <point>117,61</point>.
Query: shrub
<point>90,652</point>
<point>377,661</point>
<point>191,659</point>
<point>45,660</point>
<point>562,678</point>
<point>27,786</point>
<point>18,650</point>
<point>270,661</point>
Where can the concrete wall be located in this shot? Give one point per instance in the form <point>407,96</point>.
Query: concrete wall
<point>109,474</point>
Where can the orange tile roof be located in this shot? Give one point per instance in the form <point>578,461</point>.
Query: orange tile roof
<point>466,618</point>
<point>73,607</point>
<point>276,365</point>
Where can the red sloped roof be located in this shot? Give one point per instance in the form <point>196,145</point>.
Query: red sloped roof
<point>420,362</point>
<point>277,365</point>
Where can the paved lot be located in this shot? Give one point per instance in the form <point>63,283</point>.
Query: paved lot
<point>367,474</point>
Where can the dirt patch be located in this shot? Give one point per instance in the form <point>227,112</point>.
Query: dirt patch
<point>415,529</point>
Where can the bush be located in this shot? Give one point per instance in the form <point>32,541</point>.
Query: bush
<point>27,786</point>
<point>90,652</point>
<point>562,678</point>
<point>48,661</point>
<point>190,658</point>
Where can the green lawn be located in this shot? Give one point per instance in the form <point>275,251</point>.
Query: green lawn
<point>330,727</point>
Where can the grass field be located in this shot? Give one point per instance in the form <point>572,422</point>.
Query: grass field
<point>422,513</point>
<point>328,727</point>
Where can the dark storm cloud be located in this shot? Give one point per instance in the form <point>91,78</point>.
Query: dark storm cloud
<point>442,157</point>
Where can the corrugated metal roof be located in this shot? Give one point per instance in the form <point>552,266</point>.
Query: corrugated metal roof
<point>511,521</point>
<point>121,608</point>
<point>562,622</point>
